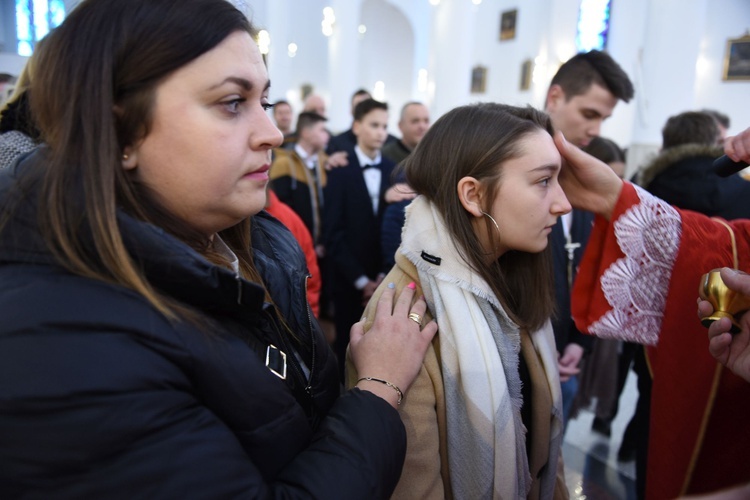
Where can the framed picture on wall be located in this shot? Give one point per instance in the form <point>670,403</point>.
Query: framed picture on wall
<point>737,59</point>
<point>478,79</point>
<point>526,70</point>
<point>508,24</point>
<point>305,90</point>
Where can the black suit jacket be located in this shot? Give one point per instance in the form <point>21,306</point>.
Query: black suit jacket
<point>562,323</point>
<point>351,231</point>
<point>345,141</point>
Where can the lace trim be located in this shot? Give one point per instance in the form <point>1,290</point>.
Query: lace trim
<point>636,285</point>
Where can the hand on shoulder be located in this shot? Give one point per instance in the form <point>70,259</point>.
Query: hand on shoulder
<point>394,348</point>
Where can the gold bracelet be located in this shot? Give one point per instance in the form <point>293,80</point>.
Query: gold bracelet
<point>373,379</point>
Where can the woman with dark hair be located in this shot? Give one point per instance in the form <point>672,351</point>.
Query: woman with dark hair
<point>155,337</point>
<point>487,401</point>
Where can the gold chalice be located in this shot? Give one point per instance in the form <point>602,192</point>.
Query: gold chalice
<point>727,303</point>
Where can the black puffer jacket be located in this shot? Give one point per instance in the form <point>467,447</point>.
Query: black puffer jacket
<point>102,397</point>
<point>683,176</point>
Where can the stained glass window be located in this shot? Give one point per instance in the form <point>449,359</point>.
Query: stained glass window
<point>593,25</point>
<point>34,19</point>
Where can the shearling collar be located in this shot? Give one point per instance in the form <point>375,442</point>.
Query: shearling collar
<point>670,156</point>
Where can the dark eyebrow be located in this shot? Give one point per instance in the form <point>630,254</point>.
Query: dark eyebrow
<point>595,113</point>
<point>242,82</point>
<point>550,168</point>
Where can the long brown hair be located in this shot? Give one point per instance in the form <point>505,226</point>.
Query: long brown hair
<point>94,98</point>
<point>475,141</point>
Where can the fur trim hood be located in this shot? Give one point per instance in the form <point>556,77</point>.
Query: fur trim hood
<point>671,156</point>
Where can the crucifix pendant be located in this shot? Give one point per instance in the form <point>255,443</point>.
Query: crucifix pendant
<point>570,247</point>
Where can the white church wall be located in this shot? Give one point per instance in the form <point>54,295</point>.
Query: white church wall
<point>673,51</point>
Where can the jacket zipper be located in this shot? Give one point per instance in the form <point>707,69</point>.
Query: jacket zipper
<point>292,359</point>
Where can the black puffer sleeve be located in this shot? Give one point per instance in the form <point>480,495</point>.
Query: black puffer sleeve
<point>358,451</point>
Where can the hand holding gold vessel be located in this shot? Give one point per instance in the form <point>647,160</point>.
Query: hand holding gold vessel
<point>725,301</point>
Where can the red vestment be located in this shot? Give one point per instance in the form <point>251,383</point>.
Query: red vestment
<point>638,281</point>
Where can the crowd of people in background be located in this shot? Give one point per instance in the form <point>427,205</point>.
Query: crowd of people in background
<point>312,271</point>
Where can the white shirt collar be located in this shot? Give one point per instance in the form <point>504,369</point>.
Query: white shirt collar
<point>365,160</point>
<point>309,160</point>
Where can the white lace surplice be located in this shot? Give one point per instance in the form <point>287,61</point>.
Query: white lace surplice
<point>636,285</point>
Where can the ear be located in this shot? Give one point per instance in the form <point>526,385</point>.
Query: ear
<point>356,125</point>
<point>129,158</point>
<point>470,195</point>
<point>129,155</point>
<point>555,95</point>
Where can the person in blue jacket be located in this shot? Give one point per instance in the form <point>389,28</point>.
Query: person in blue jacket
<point>155,339</point>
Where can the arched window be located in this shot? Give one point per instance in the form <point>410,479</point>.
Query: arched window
<point>34,19</point>
<point>593,25</point>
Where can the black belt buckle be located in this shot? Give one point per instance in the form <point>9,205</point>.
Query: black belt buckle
<point>276,361</point>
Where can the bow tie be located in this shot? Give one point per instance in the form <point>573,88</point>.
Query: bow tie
<point>371,165</point>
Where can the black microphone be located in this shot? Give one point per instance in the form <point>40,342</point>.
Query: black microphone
<point>725,166</point>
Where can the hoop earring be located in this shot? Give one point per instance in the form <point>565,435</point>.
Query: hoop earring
<point>493,221</point>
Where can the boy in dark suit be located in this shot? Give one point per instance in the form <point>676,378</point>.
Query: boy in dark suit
<point>352,219</point>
